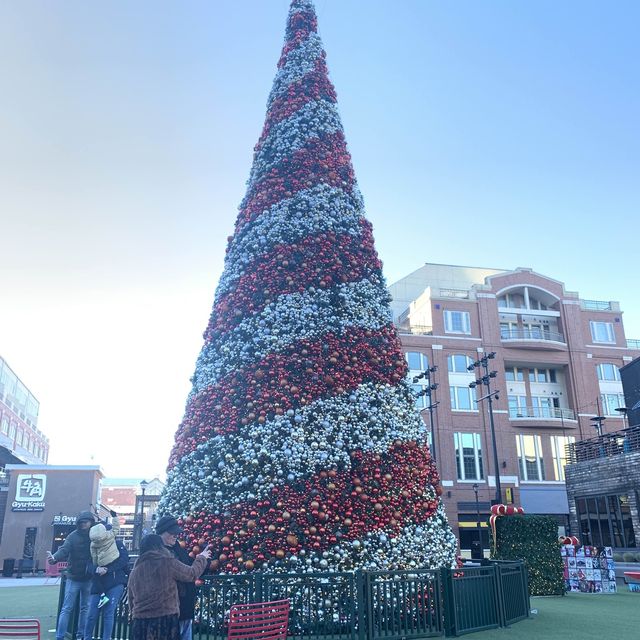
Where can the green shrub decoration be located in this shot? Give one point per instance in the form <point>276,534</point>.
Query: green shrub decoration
<point>534,539</point>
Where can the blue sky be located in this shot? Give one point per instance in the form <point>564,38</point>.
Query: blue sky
<point>496,134</point>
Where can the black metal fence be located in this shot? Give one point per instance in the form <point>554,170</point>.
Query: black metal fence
<point>607,445</point>
<point>364,605</point>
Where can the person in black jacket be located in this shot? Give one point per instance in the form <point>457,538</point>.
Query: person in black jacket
<point>168,529</point>
<point>109,566</point>
<point>77,552</point>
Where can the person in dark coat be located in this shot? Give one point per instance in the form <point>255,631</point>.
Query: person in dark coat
<point>109,567</point>
<point>169,530</point>
<point>76,551</point>
<point>153,589</point>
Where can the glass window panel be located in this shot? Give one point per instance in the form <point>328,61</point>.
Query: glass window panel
<point>583,518</point>
<point>627,524</point>
<point>458,363</point>
<point>602,332</point>
<point>616,521</point>
<point>594,522</point>
<point>603,514</point>
<point>417,361</point>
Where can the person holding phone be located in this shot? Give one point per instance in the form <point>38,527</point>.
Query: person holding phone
<point>154,604</point>
<point>170,530</point>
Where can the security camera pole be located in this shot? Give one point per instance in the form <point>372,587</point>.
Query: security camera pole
<point>483,364</point>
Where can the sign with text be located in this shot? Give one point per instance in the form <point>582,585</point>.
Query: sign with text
<point>30,490</point>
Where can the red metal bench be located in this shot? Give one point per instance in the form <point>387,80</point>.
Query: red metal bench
<point>263,620</point>
<point>22,628</point>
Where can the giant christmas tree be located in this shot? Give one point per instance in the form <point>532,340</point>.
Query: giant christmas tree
<point>301,448</point>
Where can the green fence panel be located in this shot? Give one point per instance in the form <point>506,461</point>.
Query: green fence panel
<point>513,591</point>
<point>471,600</point>
<point>403,604</point>
<point>322,604</point>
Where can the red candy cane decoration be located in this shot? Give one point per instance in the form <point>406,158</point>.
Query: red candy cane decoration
<point>498,510</point>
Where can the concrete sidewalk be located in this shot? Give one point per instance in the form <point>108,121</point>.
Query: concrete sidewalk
<point>30,581</point>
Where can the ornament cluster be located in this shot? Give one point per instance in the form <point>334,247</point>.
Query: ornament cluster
<point>301,448</point>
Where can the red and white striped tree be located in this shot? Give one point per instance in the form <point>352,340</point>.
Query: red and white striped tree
<point>301,447</point>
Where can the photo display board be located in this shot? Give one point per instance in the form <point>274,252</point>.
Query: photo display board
<point>588,569</point>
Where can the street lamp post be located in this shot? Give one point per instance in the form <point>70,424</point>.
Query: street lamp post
<point>598,421</point>
<point>624,412</point>
<point>485,380</point>
<point>143,488</point>
<point>431,386</point>
<point>480,545</point>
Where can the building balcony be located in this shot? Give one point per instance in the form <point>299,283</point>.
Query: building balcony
<point>542,413</point>
<point>633,344</point>
<point>608,445</point>
<point>533,339</point>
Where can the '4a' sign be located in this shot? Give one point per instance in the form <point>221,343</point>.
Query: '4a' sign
<point>30,491</point>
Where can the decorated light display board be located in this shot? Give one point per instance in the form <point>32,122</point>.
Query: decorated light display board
<point>301,448</point>
<point>588,569</point>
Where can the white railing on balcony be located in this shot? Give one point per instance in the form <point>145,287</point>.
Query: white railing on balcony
<point>532,333</point>
<point>633,344</point>
<point>454,293</point>
<point>545,413</point>
<point>415,329</point>
<point>596,305</point>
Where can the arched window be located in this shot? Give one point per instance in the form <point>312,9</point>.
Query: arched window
<point>608,372</point>
<point>459,363</point>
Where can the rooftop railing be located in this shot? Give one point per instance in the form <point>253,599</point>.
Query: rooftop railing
<point>531,334</point>
<point>545,413</point>
<point>415,329</point>
<point>596,305</point>
<point>607,445</point>
<point>454,293</point>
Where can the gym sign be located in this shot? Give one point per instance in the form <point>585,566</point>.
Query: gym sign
<point>30,492</point>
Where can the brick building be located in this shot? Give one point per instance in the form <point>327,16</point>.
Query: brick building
<point>20,438</point>
<point>557,359</point>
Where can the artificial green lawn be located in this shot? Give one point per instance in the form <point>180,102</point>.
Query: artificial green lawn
<point>577,616</point>
<point>31,602</point>
<point>573,617</point>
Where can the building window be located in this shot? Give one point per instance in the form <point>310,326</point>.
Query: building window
<point>602,332</point>
<point>610,402</point>
<point>559,450</point>
<point>12,430</point>
<point>513,374</point>
<point>5,425</point>
<point>459,363</point>
<point>468,456</point>
<point>608,372</point>
<point>542,407</point>
<point>462,399</point>
<point>418,363</point>
<point>530,458</point>
<point>517,406</point>
<point>542,375</point>
<point>457,322</point>
<point>605,520</point>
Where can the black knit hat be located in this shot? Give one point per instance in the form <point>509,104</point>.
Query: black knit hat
<point>168,524</point>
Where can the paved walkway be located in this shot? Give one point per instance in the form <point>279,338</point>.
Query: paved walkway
<point>29,581</point>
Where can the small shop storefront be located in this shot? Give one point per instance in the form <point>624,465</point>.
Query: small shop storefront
<point>41,508</point>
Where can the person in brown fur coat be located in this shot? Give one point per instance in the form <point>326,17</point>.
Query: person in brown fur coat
<point>153,589</point>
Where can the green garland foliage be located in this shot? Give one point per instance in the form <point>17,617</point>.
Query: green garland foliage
<point>533,539</point>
